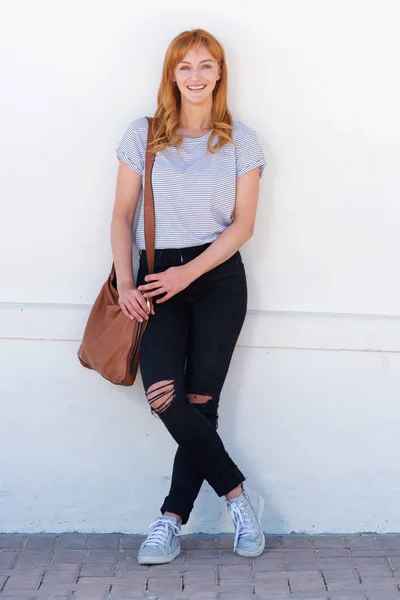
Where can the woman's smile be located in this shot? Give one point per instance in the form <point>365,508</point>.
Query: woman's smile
<point>195,88</point>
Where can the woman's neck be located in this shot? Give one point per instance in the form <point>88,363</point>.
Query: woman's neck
<point>195,120</point>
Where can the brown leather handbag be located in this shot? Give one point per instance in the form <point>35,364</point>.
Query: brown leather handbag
<point>111,342</point>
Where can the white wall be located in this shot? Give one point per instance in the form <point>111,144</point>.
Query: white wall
<point>310,407</point>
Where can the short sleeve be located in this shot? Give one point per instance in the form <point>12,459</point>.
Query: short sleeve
<point>131,149</point>
<point>250,153</point>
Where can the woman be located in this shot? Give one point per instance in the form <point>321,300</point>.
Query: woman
<point>205,182</point>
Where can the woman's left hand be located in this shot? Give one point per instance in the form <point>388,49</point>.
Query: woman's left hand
<point>169,282</point>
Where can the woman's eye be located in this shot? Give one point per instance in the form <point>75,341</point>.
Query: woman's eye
<point>184,67</point>
<point>207,66</point>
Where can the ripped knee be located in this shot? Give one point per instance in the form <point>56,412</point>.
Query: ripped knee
<point>160,395</point>
<point>207,405</point>
<point>199,398</point>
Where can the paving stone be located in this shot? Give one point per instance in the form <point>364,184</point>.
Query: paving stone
<point>296,559</point>
<point>28,581</point>
<point>336,563</point>
<point>160,584</point>
<point>388,542</point>
<point>204,563</point>
<point>297,541</point>
<point>94,592</point>
<point>199,594</point>
<point>327,541</point>
<point>334,553</point>
<point>237,572</point>
<point>394,562</point>
<point>35,596</point>
<point>262,581</point>
<point>267,594</point>
<point>199,577</point>
<point>341,575</point>
<point>381,568</point>
<point>236,586</point>
<point>127,592</point>
<point>380,595</point>
<point>209,569</point>
<point>224,541</point>
<point>98,555</point>
<point>347,595</point>
<point>97,569</point>
<point>368,553</point>
<point>104,542</point>
<point>11,541</point>
<point>68,556</point>
<point>72,542</point>
<point>66,573</point>
<point>131,564</point>
<point>380,583</point>
<point>231,558</point>
<point>155,572</point>
<point>203,553</point>
<point>7,559</point>
<point>267,564</point>
<point>31,558</point>
<point>131,542</point>
<point>306,581</point>
<point>361,541</point>
<point>131,576</point>
<point>344,586</point>
<point>201,543</point>
<point>236,596</point>
<point>40,542</point>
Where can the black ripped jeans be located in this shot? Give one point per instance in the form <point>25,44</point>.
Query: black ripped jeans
<point>186,349</point>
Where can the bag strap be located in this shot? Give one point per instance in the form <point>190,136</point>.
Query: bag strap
<point>149,217</point>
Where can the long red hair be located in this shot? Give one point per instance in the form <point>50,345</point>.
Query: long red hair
<point>166,118</point>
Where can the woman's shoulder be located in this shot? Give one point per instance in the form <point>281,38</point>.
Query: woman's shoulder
<point>139,126</point>
<point>241,131</point>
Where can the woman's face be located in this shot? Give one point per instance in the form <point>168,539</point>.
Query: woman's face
<point>197,74</point>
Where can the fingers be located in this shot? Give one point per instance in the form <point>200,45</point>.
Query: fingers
<point>142,302</point>
<point>152,277</point>
<point>126,312</point>
<point>129,310</point>
<point>149,286</point>
<point>156,292</point>
<point>134,306</point>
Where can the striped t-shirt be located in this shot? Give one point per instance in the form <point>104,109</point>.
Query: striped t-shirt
<point>194,190</point>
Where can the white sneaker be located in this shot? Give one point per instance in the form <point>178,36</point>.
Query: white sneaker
<point>246,511</point>
<point>162,544</point>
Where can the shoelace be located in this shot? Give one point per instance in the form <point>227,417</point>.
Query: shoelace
<point>243,520</point>
<point>160,530</point>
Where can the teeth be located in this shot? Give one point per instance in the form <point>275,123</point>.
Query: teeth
<point>196,87</point>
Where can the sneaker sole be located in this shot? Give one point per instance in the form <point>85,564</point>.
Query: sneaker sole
<point>260,550</point>
<point>158,560</point>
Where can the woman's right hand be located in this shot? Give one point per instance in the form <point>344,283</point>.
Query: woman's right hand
<point>133,304</point>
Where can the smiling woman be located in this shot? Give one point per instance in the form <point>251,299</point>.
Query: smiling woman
<point>198,73</point>
<point>205,181</point>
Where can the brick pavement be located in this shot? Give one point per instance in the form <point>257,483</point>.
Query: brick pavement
<point>100,567</point>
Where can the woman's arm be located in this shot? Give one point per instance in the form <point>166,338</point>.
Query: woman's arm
<point>129,184</point>
<point>234,236</point>
<point>175,279</point>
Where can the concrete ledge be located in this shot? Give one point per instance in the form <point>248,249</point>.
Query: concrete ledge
<point>265,329</point>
